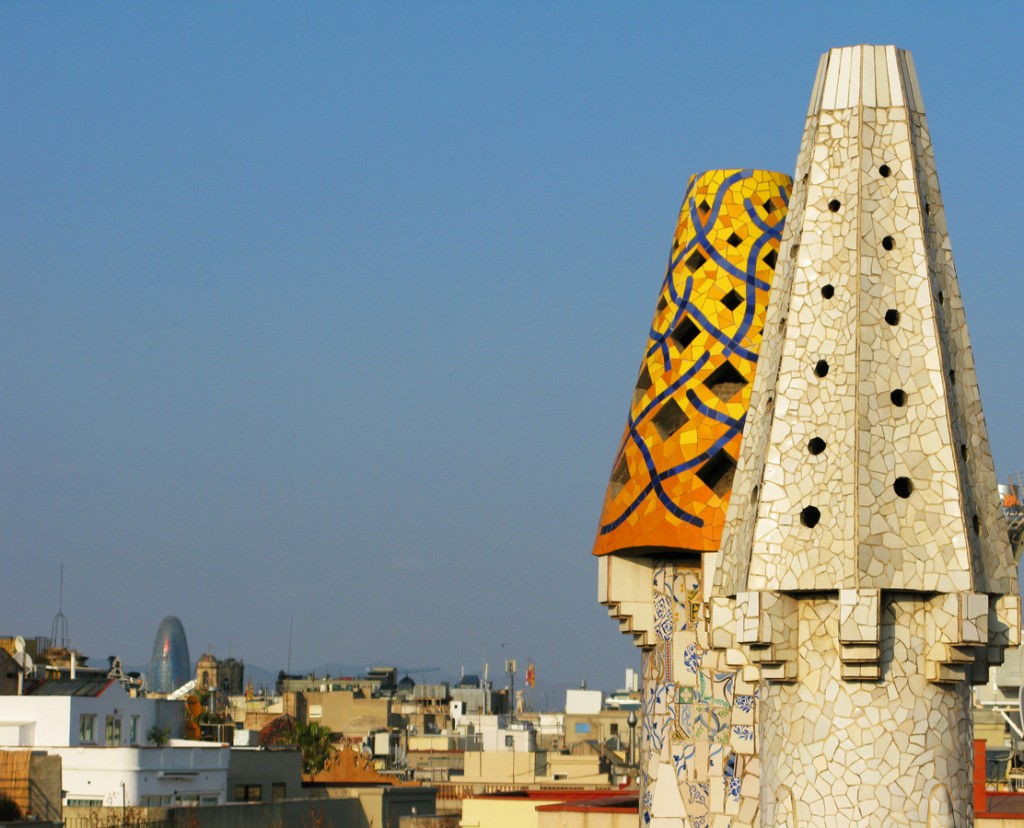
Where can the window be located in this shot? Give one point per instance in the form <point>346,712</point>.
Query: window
<point>278,791</point>
<point>156,801</point>
<point>83,803</point>
<point>113,730</point>
<point>208,799</point>
<point>133,731</point>
<point>87,728</point>
<point>510,741</point>
<point>248,793</point>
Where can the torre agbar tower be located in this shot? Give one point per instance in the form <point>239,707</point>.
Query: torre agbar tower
<point>816,670</point>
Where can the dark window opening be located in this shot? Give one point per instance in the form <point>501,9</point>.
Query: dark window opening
<point>248,793</point>
<point>643,383</point>
<point>620,476</point>
<point>695,260</point>
<point>725,382</point>
<point>733,240</point>
<point>732,300</point>
<point>669,419</point>
<point>718,472</point>
<point>770,258</point>
<point>685,332</point>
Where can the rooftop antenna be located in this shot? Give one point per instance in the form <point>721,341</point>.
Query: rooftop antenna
<point>59,630</point>
<point>291,619</point>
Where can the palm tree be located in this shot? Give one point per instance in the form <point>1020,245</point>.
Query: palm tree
<point>314,741</point>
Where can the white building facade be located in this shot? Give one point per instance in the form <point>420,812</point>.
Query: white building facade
<point>102,735</point>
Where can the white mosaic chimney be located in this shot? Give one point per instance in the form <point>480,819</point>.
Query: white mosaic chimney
<point>865,564</point>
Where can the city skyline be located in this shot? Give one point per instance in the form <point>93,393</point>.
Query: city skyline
<point>327,320</point>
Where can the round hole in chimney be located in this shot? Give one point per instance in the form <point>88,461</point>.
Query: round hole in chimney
<point>827,291</point>
<point>884,171</point>
<point>898,397</point>
<point>888,242</point>
<point>892,316</point>
<point>821,368</point>
<point>816,445</point>
<point>903,487</point>
<point>834,205</point>
<point>809,516</point>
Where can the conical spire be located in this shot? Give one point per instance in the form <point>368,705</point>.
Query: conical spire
<point>865,564</point>
<point>867,462</point>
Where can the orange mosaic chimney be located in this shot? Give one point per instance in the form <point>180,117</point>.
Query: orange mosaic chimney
<point>673,471</point>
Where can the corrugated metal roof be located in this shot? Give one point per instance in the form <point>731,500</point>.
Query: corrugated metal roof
<point>71,687</point>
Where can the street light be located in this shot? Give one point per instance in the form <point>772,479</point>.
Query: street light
<point>631,756</point>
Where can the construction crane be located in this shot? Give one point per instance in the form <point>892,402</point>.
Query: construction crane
<point>409,671</point>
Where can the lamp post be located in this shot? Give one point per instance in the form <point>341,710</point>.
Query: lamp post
<point>631,755</point>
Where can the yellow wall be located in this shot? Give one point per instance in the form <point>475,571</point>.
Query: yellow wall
<point>502,813</point>
<point>342,712</point>
<point>581,770</point>
<point>502,767</point>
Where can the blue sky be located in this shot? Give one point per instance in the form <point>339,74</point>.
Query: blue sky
<point>331,311</point>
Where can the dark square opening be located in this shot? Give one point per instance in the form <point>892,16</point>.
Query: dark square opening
<point>669,419</point>
<point>685,332</point>
<point>732,300</point>
<point>620,476</point>
<point>717,473</point>
<point>695,260</point>
<point>725,382</point>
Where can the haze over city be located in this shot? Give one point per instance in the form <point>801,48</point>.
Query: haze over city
<point>327,318</point>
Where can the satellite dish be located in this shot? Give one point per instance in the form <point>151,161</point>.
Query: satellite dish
<point>23,659</point>
<point>1020,704</point>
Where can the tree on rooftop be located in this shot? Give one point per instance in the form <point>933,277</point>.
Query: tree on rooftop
<point>314,741</point>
